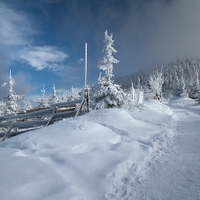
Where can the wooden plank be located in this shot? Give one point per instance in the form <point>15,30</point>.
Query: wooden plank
<point>63,115</point>
<point>30,124</point>
<point>60,104</point>
<point>80,108</point>
<point>4,125</point>
<point>7,133</point>
<point>50,120</point>
<point>40,113</point>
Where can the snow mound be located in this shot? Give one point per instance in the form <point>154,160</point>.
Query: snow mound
<point>100,155</point>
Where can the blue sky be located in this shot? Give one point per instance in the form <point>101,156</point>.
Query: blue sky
<point>42,41</point>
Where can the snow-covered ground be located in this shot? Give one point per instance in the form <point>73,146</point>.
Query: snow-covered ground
<point>151,151</point>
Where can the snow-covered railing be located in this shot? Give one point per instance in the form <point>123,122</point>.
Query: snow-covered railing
<point>40,117</point>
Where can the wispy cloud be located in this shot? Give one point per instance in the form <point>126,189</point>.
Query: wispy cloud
<point>15,27</point>
<point>45,57</point>
<point>80,60</point>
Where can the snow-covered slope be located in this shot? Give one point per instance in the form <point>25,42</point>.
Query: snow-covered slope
<point>104,154</point>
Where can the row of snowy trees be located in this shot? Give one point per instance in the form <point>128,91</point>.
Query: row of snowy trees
<point>180,78</point>
<point>14,103</point>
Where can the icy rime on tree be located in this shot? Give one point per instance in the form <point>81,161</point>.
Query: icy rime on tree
<point>156,81</point>
<point>53,99</point>
<point>106,63</point>
<point>43,101</point>
<point>11,106</point>
<point>106,94</point>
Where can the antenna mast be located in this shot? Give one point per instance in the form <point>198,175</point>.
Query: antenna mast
<point>85,64</point>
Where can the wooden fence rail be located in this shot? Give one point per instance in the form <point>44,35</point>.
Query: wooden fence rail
<point>39,117</point>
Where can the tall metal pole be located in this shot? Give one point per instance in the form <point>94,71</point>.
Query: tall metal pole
<point>86,88</point>
<point>85,64</point>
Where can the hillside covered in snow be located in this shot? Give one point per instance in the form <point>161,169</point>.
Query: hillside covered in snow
<point>181,78</point>
<point>105,154</point>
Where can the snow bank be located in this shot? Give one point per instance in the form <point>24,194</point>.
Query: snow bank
<point>98,156</point>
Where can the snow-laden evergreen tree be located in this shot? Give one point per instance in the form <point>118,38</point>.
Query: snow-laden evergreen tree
<point>53,98</point>
<point>156,81</point>
<point>106,94</point>
<point>26,104</point>
<point>11,101</point>
<point>74,94</point>
<point>133,92</point>
<point>195,89</point>
<point>106,63</point>
<point>42,102</point>
<point>182,92</point>
<point>71,95</point>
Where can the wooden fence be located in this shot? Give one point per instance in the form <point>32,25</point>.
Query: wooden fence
<point>35,118</point>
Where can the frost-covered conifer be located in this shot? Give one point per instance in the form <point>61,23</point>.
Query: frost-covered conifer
<point>53,99</point>
<point>106,94</point>
<point>11,101</point>
<point>195,89</point>
<point>106,63</point>
<point>27,104</point>
<point>182,90</point>
<point>133,92</point>
<point>42,102</point>
<point>71,95</point>
<point>74,94</point>
<point>156,81</point>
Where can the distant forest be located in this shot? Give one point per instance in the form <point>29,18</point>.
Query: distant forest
<point>181,78</point>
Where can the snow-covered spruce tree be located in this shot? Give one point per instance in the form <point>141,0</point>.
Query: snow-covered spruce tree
<point>42,102</point>
<point>53,98</point>
<point>11,101</point>
<point>156,81</point>
<point>181,91</point>
<point>71,95</point>
<point>195,88</point>
<point>131,96</point>
<point>74,94</point>
<point>26,104</point>
<point>106,94</point>
<point>106,63</point>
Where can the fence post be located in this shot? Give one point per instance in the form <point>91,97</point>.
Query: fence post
<point>86,96</point>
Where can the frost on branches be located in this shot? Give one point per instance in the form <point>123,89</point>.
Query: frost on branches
<point>53,99</point>
<point>42,102</point>
<point>156,81</point>
<point>106,63</point>
<point>11,101</point>
<point>106,94</point>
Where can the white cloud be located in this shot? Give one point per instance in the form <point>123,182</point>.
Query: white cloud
<point>46,57</point>
<point>80,60</point>
<point>15,27</point>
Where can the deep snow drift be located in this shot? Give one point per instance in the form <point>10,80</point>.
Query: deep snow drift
<point>106,154</point>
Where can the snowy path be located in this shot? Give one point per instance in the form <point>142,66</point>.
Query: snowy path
<point>177,176</point>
